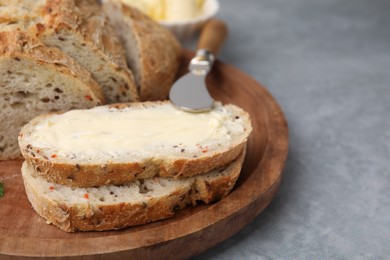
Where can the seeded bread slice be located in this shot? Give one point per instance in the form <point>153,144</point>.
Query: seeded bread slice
<point>152,52</point>
<point>116,207</point>
<point>103,153</point>
<point>81,30</point>
<point>35,79</point>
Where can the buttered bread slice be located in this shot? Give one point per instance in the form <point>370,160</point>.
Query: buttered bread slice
<point>135,203</point>
<point>117,144</point>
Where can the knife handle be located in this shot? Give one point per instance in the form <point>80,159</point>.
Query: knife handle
<point>213,36</point>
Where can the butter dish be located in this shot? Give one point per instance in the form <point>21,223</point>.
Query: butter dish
<point>185,30</point>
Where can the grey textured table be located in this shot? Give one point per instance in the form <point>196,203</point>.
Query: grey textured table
<point>327,62</point>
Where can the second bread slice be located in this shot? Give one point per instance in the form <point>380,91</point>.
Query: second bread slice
<point>120,143</point>
<point>136,203</point>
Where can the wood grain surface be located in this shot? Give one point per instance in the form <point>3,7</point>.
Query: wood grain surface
<point>193,230</point>
<point>213,36</point>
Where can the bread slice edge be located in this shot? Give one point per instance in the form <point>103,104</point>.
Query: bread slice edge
<point>72,217</point>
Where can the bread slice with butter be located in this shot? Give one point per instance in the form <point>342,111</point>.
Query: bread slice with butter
<point>135,203</point>
<point>36,79</point>
<point>152,52</point>
<point>120,143</point>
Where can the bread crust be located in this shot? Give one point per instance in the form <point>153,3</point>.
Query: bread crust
<point>76,175</point>
<point>86,20</point>
<point>88,217</point>
<point>89,175</point>
<point>159,67</point>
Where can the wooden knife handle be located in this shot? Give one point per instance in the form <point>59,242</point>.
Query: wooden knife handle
<point>213,36</point>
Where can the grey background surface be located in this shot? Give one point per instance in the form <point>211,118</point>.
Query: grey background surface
<point>327,62</point>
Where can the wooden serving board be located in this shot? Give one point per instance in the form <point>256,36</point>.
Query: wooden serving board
<point>193,230</point>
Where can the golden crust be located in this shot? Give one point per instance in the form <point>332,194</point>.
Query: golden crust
<point>86,20</point>
<point>76,175</point>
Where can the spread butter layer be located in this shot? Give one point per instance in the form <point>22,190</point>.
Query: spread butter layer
<point>133,130</point>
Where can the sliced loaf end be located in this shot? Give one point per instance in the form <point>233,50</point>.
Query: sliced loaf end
<point>152,52</point>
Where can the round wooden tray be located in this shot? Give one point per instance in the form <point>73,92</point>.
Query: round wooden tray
<point>192,230</point>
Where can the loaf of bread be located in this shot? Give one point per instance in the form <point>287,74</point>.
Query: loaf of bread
<point>120,143</point>
<point>106,167</point>
<point>90,45</point>
<point>152,52</point>
<point>82,30</point>
<point>135,203</point>
<point>35,79</point>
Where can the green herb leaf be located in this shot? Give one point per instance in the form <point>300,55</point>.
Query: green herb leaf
<point>1,189</point>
